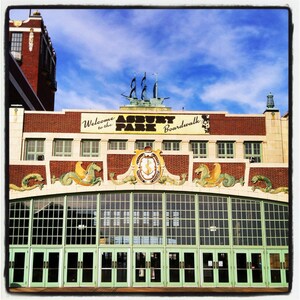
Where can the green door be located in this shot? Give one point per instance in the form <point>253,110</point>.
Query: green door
<point>80,267</point>
<point>249,268</point>
<point>215,268</point>
<point>18,267</point>
<point>181,268</point>
<point>148,267</point>
<point>114,267</point>
<point>44,269</point>
<point>278,268</point>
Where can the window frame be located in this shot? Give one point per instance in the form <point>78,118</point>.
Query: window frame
<point>16,42</point>
<point>90,152</point>
<point>257,158</point>
<point>62,153</point>
<point>143,143</point>
<point>198,154</point>
<point>226,149</point>
<point>118,144</point>
<point>35,153</point>
<point>174,145</point>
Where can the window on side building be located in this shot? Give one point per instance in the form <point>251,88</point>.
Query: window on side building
<point>34,149</point>
<point>225,149</point>
<point>117,144</point>
<point>199,149</point>
<point>16,44</point>
<point>252,151</point>
<point>141,144</point>
<point>62,147</point>
<point>171,145</point>
<point>90,148</point>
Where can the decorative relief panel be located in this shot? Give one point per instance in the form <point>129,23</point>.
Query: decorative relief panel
<point>148,167</point>
<point>214,177</point>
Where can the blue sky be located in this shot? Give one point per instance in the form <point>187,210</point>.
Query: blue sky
<point>206,59</point>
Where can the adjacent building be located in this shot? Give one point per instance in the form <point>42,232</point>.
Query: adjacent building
<point>31,64</point>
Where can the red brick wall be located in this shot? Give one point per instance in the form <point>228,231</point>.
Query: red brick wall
<point>57,168</point>
<point>18,172</point>
<point>226,125</point>
<point>234,169</point>
<point>118,163</point>
<point>30,59</point>
<point>278,176</point>
<point>177,164</point>
<point>61,123</point>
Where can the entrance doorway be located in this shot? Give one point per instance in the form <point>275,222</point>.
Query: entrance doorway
<point>44,270</point>
<point>215,268</point>
<point>148,267</point>
<point>181,268</point>
<point>114,267</point>
<point>249,268</point>
<point>18,267</point>
<point>80,267</point>
<point>278,267</point>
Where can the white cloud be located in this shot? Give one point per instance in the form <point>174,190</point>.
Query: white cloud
<point>247,89</point>
<point>71,99</point>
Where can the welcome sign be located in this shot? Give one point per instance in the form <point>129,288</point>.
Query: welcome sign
<point>144,123</point>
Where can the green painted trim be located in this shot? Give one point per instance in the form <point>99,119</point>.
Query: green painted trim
<point>164,225</point>
<point>197,219</point>
<point>30,227</point>
<point>263,224</point>
<point>131,218</point>
<point>98,219</point>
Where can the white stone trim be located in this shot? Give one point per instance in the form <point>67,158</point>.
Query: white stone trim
<point>24,29</point>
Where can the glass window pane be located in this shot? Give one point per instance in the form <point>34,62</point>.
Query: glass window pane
<point>34,149</point>
<point>81,219</point>
<point>62,147</point>
<point>180,220</point>
<point>47,227</point>
<point>114,218</point>
<point>19,222</point>
<point>16,42</point>
<point>276,217</point>
<point>213,220</point>
<point>147,218</point>
<point>117,145</point>
<point>90,148</point>
<point>199,149</point>
<point>246,220</point>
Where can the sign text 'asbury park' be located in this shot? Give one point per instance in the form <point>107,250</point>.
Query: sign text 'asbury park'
<point>144,123</point>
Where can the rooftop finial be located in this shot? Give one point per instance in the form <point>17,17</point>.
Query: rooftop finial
<point>270,101</point>
<point>36,13</point>
<point>270,104</point>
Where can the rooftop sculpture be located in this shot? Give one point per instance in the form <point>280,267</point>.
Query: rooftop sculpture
<point>144,101</point>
